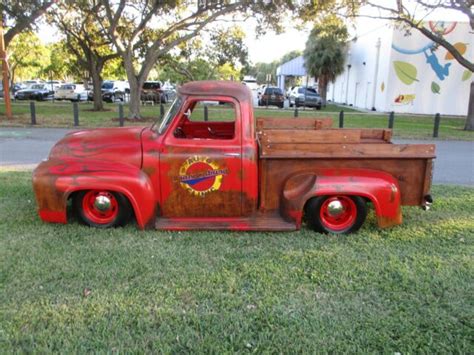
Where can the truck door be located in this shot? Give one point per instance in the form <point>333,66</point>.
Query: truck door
<point>201,165</point>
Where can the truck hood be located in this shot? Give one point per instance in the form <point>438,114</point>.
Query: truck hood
<point>106,144</point>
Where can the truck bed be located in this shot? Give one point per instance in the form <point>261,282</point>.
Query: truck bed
<point>285,151</point>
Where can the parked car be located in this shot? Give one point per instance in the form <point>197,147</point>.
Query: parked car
<point>73,92</point>
<point>288,92</point>
<point>13,89</point>
<point>250,82</point>
<point>35,92</point>
<point>272,96</point>
<point>170,90</point>
<point>154,91</point>
<point>261,90</point>
<point>54,84</point>
<point>302,96</point>
<point>115,90</point>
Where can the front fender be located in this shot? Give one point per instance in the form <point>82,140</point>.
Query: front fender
<point>379,187</point>
<point>55,180</point>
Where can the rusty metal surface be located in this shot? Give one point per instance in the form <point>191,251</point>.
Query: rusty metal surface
<point>199,180</point>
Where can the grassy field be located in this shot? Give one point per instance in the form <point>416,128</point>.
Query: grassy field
<point>59,114</point>
<point>68,288</point>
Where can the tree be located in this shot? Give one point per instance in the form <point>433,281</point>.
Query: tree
<point>407,15</point>
<point>324,54</point>
<point>221,58</point>
<point>22,15</point>
<point>62,64</point>
<point>174,22</point>
<point>26,56</point>
<point>290,55</point>
<point>86,40</point>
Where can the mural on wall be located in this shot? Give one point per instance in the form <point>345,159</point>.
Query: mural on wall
<point>421,66</point>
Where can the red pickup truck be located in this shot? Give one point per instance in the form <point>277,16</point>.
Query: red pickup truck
<point>210,165</point>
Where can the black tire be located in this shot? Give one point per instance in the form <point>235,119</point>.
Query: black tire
<point>319,219</point>
<point>290,104</point>
<point>318,107</point>
<point>281,105</point>
<point>121,214</point>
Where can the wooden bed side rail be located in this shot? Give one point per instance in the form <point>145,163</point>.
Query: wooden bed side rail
<point>297,137</point>
<point>293,123</point>
<point>361,150</point>
<point>328,136</point>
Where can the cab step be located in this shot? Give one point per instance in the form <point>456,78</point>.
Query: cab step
<point>260,223</point>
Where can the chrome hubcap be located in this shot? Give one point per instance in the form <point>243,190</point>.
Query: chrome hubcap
<point>335,208</point>
<point>102,203</point>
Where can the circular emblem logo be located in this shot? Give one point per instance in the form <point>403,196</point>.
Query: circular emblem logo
<point>201,175</point>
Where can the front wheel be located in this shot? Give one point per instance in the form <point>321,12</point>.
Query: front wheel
<point>336,214</point>
<point>102,209</point>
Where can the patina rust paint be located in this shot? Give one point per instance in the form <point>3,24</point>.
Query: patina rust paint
<point>225,175</point>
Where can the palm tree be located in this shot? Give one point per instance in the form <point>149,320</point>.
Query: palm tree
<point>324,54</point>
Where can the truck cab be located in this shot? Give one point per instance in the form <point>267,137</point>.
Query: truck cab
<point>210,165</point>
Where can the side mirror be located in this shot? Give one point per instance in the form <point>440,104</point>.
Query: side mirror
<point>188,113</point>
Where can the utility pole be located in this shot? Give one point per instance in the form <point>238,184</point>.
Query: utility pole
<point>6,86</point>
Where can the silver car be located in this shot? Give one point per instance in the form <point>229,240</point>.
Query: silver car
<point>302,96</point>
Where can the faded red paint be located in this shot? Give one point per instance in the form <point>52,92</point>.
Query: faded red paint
<point>199,183</point>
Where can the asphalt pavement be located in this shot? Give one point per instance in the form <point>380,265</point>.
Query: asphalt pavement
<point>24,148</point>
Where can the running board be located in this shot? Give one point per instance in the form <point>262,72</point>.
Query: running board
<point>260,223</point>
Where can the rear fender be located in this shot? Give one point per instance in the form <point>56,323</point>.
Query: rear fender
<point>54,182</point>
<point>380,188</point>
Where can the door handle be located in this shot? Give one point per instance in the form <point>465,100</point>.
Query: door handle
<point>232,154</point>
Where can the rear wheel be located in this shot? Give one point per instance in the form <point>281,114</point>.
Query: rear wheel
<point>339,214</point>
<point>102,208</point>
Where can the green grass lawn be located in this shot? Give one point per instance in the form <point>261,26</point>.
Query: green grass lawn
<point>59,114</point>
<point>405,290</point>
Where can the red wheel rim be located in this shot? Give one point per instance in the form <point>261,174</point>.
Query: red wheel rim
<point>100,207</point>
<point>338,213</point>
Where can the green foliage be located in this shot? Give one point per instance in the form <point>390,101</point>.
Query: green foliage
<point>221,58</point>
<point>27,57</point>
<point>72,289</point>
<point>290,55</point>
<point>324,53</point>
<point>62,64</point>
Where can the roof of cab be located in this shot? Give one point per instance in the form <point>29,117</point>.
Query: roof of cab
<point>217,88</point>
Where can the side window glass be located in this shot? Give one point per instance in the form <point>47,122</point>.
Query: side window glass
<point>214,111</point>
<point>208,120</point>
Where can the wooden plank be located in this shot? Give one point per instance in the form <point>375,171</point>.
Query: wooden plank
<point>296,137</point>
<point>378,151</point>
<point>293,123</point>
<point>408,172</point>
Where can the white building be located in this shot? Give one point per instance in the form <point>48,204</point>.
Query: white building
<point>390,69</point>
<point>411,74</point>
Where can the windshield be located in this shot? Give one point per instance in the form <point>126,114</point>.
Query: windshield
<point>37,86</point>
<point>150,85</point>
<point>169,115</point>
<point>107,85</point>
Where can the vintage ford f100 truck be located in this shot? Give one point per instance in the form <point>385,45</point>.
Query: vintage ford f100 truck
<point>209,165</point>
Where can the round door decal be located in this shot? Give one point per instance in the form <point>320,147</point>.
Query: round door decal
<point>201,175</point>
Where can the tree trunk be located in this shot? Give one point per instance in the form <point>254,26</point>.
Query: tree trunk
<point>136,82</point>
<point>470,111</point>
<point>97,90</point>
<point>134,103</point>
<point>323,88</point>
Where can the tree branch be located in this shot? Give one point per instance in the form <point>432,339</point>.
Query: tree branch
<point>25,22</point>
